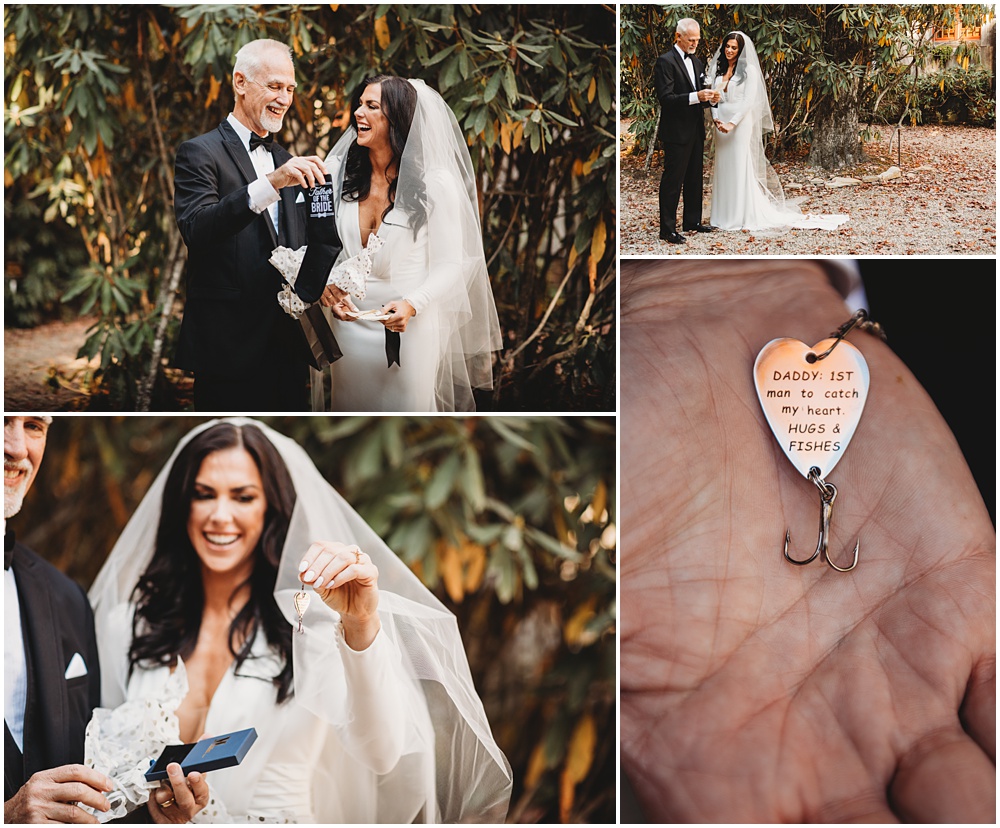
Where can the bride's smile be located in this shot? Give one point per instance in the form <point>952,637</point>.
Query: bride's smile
<point>227,514</point>
<point>371,120</point>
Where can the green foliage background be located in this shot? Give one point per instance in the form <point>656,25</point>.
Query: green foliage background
<point>815,56</point>
<point>99,97</point>
<point>510,521</point>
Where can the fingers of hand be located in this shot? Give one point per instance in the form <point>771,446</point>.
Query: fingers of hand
<point>307,171</point>
<point>324,565</point>
<point>190,794</point>
<point>80,773</point>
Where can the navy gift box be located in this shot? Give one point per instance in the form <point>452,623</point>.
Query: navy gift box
<point>208,754</point>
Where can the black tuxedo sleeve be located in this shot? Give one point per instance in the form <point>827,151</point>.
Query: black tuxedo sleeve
<point>202,216</point>
<point>671,90</point>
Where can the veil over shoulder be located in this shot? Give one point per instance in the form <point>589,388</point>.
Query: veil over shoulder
<point>452,769</point>
<point>436,199</point>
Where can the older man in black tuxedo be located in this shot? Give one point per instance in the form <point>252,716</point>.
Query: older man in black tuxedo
<point>52,681</point>
<point>238,195</point>
<point>678,78</point>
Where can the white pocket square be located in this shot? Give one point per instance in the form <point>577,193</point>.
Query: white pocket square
<point>300,198</point>
<point>77,667</point>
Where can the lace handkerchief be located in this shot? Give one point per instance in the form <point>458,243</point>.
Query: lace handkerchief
<point>120,742</point>
<point>287,262</point>
<point>351,275</point>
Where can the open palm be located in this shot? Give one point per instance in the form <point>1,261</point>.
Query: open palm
<point>758,691</point>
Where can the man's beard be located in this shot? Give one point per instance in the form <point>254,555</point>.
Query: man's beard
<point>13,496</point>
<point>270,122</point>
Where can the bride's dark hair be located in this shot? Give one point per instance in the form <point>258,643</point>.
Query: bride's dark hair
<point>399,102</point>
<point>723,65</point>
<point>170,597</point>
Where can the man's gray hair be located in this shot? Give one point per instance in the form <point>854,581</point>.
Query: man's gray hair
<point>251,56</point>
<point>685,24</point>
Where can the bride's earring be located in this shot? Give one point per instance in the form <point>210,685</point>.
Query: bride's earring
<point>301,601</point>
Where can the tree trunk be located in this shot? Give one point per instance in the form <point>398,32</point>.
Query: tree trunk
<point>836,141</point>
<point>169,283</point>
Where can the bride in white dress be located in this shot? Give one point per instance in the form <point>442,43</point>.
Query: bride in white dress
<point>746,193</point>
<point>405,197</point>
<point>367,714</point>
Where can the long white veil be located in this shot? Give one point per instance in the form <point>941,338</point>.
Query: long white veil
<point>436,189</point>
<point>452,770</point>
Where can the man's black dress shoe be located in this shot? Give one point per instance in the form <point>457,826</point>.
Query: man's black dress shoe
<point>701,228</point>
<point>673,237</point>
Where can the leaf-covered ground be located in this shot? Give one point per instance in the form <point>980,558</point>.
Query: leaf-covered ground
<point>944,203</point>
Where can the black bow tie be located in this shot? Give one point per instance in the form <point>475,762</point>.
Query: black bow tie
<point>686,57</point>
<point>256,141</point>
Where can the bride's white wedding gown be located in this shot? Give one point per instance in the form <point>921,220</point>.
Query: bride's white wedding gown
<point>740,199</point>
<point>299,770</point>
<point>361,379</point>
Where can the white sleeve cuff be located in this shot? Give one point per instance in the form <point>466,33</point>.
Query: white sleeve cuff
<point>261,194</point>
<point>693,98</point>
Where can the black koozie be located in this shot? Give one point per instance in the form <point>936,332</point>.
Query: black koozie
<point>323,244</point>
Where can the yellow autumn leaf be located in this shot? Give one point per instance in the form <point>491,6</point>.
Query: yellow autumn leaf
<point>382,32</point>
<point>518,135</point>
<point>592,273</point>
<point>592,90</point>
<point>578,761</point>
<point>214,86</point>
<point>600,501</point>
<point>505,129</point>
<point>809,95</point>
<point>128,92</point>
<point>474,561</point>
<point>598,241</point>
<point>575,629</point>
<point>536,766</point>
<point>450,567</point>
<point>572,257</point>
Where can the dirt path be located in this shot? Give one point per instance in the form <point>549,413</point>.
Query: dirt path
<point>29,357</point>
<point>943,204</point>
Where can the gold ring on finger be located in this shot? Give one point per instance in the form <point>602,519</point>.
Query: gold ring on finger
<point>168,803</point>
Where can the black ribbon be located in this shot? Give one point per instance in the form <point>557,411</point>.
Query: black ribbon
<point>267,142</point>
<point>392,348</point>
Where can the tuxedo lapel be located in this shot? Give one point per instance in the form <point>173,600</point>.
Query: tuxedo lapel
<point>46,727</point>
<point>681,65</point>
<point>234,147</point>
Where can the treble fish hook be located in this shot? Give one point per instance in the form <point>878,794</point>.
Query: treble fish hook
<point>827,494</point>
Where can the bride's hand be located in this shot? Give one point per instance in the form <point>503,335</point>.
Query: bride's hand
<point>339,303</point>
<point>180,799</point>
<point>401,311</point>
<point>346,581</point>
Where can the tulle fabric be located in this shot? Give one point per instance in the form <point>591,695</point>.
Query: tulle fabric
<point>452,769</point>
<point>746,192</point>
<point>433,257</point>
